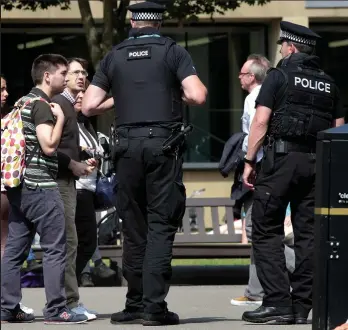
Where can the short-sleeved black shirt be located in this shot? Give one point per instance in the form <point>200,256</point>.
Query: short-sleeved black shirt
<point>178,60</point>
<point>272,84</point>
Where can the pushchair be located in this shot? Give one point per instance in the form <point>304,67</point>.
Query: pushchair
<point>109,226</point>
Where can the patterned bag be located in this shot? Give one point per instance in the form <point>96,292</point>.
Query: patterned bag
<point>13,162</point>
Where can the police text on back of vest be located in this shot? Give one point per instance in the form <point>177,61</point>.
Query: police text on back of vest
<point>313,84</point>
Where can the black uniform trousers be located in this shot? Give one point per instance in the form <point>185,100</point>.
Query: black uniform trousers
<point>86,228</point>
<point>290,179</point>
<point>151,203</point>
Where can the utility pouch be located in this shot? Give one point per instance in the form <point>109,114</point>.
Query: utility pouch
<point>118,143</point>
<point>269,158</point>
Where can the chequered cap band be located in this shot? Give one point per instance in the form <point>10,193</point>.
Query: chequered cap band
<point>296,38</point>
<point>139,16</point>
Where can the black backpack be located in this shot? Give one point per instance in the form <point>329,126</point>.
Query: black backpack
<point>109,229</point>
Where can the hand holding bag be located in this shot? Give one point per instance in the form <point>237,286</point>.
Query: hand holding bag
<point>105,193</point>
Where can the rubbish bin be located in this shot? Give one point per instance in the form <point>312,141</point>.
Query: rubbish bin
<point>330,290</point>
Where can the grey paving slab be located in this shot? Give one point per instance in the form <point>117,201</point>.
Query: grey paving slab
<point>199,307</point>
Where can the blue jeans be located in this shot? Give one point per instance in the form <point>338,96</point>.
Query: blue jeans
<point>42,211</point>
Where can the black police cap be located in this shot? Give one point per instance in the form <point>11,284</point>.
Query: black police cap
<point>147,11</point>
<point>297,33</point>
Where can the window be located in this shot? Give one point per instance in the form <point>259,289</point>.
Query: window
<point>218,53</point>
<point>218,57</point>
<point>332,50</point>
<point>326,4</point>
<point>210,56</point>
<point>22,49</point>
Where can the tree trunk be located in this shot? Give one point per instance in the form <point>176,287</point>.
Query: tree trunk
<point>120,21</point>
<point>180,22</point>
<point>114,27</point>
<point>95,49</point>
<point>108,27</point>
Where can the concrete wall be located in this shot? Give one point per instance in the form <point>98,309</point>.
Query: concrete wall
<point>215,185</point>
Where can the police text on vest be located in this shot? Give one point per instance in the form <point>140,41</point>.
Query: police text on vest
<point>139,53</point>
<point>313,84</point>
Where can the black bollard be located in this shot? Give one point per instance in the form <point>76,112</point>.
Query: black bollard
<point>330,290</point>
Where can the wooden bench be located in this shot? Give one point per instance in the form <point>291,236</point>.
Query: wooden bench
<point>198,244</point>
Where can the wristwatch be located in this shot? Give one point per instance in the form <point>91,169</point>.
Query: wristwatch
<point>248,161</point>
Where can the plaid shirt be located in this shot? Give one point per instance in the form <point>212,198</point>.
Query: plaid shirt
<point>68,96</point>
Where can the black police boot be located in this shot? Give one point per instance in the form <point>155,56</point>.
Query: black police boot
<point>300,318</point>
<point>127,317</point>
<point>274,315</point>
<point>166,318</point>
<point>300,315</point>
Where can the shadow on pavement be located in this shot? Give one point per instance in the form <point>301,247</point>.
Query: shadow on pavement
<point>205,319</point>
<point>210,275</point>
<point>193,275</point>
<point>191,320</point>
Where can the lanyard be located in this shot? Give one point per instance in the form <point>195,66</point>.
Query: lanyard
<point>146,36</point>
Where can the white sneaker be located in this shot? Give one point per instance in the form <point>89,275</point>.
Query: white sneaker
<point>90,311</point>
<point>82,310</point>
<point>26,309</point>
<point>245,301</point>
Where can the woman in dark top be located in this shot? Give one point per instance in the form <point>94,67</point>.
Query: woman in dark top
<point>4,200</point>
<point>85,217</point>
<point>5,205</point>
<point>4,95</point>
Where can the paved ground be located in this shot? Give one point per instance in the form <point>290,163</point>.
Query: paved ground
<point>199,307</point>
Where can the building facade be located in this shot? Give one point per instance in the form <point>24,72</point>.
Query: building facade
<point>218,50</point>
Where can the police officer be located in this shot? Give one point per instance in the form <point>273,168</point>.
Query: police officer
<point>150,77</point>
<point>296,101</point>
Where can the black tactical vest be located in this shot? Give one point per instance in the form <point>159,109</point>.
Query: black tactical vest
<point>145,90</point>
<point>304,104</point>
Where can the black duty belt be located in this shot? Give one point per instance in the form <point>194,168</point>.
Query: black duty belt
<point>287,146</point>
<point>147,131</point>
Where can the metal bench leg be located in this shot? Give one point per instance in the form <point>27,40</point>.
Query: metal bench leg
<point>120,279</point>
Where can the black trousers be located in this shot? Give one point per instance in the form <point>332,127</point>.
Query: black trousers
<point>151,203</point>
<point>86,228</point>
<point>290,179</point>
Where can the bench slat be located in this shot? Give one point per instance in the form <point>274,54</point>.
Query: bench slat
<point>215,220</point>
<point>186,224</point>
<point>183,251</point>
<point>200,222</point>
<point>209,202</point>
<point>230,221</point>
<point>197,238</point>
<point>216,251</point>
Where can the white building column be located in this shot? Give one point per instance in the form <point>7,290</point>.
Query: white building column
<point>274,32</point>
